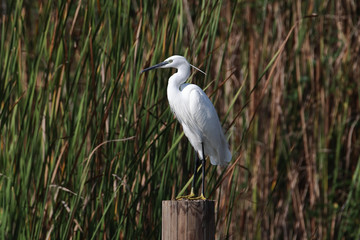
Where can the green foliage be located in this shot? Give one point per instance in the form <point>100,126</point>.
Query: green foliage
<point>89,148</point>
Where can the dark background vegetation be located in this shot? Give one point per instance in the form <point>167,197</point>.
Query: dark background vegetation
<point>89,148</point>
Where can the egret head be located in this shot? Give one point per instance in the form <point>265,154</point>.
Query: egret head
<point>175,61</point>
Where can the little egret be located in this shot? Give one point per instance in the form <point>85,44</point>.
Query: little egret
<point>197,115</point>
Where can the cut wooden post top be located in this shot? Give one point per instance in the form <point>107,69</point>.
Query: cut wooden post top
<point>188,219</point>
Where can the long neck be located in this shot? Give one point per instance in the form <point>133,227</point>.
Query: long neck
<point>173,88</point>
<point>179,77</point>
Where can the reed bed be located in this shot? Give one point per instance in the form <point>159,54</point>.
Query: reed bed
<point>89,148</point>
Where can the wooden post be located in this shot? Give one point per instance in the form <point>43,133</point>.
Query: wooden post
<point>188,219</point>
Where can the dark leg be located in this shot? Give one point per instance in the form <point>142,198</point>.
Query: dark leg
<point>203,171</point>
<point>192,194</point>
<point>197,162</point>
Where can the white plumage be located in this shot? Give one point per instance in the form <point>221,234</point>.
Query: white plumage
<point>195,112</point>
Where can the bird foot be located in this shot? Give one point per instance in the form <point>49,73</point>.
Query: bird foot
<point>188,197</point>
<point>191,196</point>
<point>201,197</point>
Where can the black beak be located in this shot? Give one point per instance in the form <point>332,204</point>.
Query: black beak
<point>153,67</point>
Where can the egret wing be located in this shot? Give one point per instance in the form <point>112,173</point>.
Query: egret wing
<point>204,116</point>
<point>202,111</point>
<point>206,121</point>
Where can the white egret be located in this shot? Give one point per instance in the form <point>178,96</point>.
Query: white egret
<point>197,115</point>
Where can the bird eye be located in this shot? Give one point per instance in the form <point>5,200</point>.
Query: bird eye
<point>170,61</point>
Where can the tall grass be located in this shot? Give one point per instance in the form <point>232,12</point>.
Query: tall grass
<point>89,148</point>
